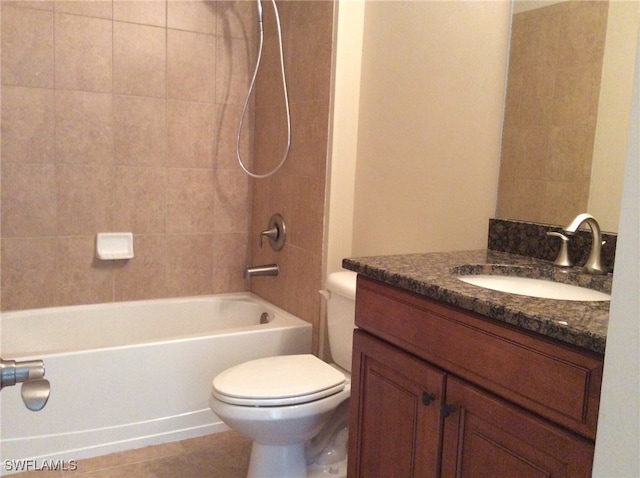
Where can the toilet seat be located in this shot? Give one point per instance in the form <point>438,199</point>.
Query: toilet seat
<point>278,381</point>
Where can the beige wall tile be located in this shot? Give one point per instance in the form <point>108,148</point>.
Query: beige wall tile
<point>530,152</point>
<point>310,74</point>
<point>27,125</point>
<point>268,90</point>
<point>80,278</point>
<point>189,264</point>
<point>83,53</point>
<point>526,195</point>
<point>551,113</point>
<point>144,276</point>
<point>146,12</point>
<point>27,47</point>
<point>199,16</point>
<point>262,209</point>
<point>87,8</point>
<point>307,214</point>
<point>139,60</point>
<point>192,134</point>
<point>542,33</point>
<point>36,4</point>
<point>232,206</point>
<point>561,201</point>
<point>237,19</point>
<point>271,139</point>
<point>139,200</point>
<point>310,138</point>
<point>536,94</point>
<point>584,26</point>
<point>113,133</point>
<point>140,131</point>
<point>302,295</point>
<point>28,272</point>
<point>230,257</point>
<point>28,199</point>
<point>84,199</point>
<point>191,66</point>
<point>316,14</point>
<point>576,92</point>
<point>228,118</point>
<point>235,65</point>
<point>570,153</point>
<point>84,127</point>
<point>190,201</point>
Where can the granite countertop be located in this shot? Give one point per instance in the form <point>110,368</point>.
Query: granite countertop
<point>579,323</point>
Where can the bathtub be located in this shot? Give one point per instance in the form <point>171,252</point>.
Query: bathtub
<point>131,374</point>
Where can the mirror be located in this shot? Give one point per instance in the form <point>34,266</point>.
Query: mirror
<point>567,114</point>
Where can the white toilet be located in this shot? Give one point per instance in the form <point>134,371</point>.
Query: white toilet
<point>283,402</point>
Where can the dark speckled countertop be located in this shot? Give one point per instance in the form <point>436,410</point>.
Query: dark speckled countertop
<point>433,275</point>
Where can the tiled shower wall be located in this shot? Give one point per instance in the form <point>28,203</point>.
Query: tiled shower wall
<point>121,116</point>
<point>117,116</point>
<point>555,68</point>
<point>297,191</point>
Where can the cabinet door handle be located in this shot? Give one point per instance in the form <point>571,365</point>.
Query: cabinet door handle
<point>447,410</point>
<point>427,398</point>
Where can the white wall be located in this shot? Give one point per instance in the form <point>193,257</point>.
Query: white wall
<point>618,440</point>
<point>610,146</point>
<point>430,122</point>
<point>344,141</point>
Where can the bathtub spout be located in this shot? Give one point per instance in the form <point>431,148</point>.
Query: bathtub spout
<point>35,389</point>
<point>264,270</point>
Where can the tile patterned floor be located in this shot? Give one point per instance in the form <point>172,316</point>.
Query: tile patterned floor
<point>222,455</point>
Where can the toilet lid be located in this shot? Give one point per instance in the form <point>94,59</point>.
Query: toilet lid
<point>276,381</point>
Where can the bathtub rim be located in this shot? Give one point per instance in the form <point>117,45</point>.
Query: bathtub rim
<point>287,319</point>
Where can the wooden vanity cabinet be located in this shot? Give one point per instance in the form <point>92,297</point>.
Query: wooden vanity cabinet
<point>398,408</point>
<point>438,391</point>
<point>486,436</point>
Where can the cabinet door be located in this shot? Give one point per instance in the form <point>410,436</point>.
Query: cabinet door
<point>395,428</point>
<point>485,436</point>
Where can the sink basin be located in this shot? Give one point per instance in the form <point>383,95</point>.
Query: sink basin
<point>534,287</point>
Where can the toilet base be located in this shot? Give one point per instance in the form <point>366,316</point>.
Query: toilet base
<point>277,461</point>
<point>335,470</point>
<point>288,461</point>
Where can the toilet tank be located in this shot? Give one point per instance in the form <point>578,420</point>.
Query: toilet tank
<point>341,308</point>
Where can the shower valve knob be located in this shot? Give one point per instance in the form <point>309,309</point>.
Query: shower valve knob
<point>271,234</point>
<point>276,232</point>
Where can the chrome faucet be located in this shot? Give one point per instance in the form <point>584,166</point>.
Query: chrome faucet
<point>265,270</point>
<point>593,264</point>
<point>563,259</point>
<point>35,389</point>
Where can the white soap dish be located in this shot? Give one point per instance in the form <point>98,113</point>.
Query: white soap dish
<point>112,246</point>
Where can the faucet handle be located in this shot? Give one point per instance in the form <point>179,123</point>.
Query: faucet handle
<point>271,233</point>
<point>563,259</point>
<point>276,232</point>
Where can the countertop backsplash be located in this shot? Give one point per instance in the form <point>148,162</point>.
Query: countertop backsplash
<point>531,240</point>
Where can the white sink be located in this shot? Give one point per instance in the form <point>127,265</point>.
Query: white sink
<point>534,287</point>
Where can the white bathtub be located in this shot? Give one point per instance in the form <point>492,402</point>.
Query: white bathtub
<point>131,374</point>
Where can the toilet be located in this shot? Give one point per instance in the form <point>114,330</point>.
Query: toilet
<point>295,407</point>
